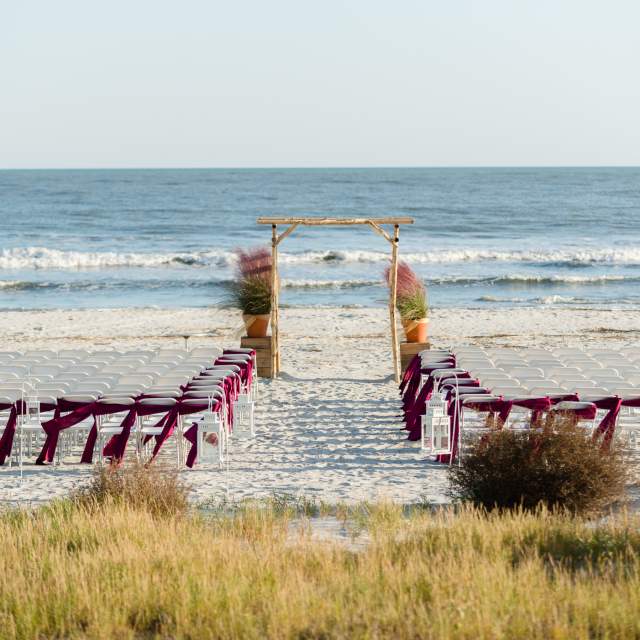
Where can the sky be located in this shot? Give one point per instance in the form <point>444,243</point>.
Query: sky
<point>300,83</point>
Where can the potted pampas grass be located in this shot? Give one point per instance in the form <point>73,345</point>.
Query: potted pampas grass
<point>411,302</point>
<point>251,289</point>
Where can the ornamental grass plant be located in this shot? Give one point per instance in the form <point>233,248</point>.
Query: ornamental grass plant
<point>250,289</point>
<point>411,294</point>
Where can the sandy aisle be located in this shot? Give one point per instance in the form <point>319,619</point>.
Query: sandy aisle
<point>329,427</point>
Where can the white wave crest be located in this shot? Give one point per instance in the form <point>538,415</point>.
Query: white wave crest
<point>45,258</point>
<point>330,284</point>
<point>630,255</point>
<point>535,279</point>
<point>544,300</point>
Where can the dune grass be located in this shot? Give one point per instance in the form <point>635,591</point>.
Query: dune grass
<point>112,570</point>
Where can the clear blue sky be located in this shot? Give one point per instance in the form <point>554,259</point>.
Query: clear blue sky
<point>149,83</point>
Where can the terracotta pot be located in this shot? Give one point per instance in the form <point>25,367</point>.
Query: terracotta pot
<point>416,330</point>
<point>257,326</point>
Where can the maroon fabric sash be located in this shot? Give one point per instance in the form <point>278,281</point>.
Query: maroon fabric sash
<point>117,445</point>
<point>167,422</point>
<point>451,392</point>
<point>6,442</point>
<point>58,423</point>
<point>413,415</point>
<point>537,406</point>
<point>501,407</point>
<point>607,425</point>
<point>413,368</point>
<point>246,367</point>
<point>411,389</point>
<point>240,350</point>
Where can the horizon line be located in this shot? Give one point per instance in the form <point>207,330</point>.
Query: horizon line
<point>322,167</point>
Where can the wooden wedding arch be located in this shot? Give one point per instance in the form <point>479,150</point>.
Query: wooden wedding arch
<point>292,223</point>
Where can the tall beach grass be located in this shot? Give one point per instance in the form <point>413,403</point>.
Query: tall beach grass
<point>110,569</point>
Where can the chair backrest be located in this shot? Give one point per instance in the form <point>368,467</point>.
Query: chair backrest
<point>54,388</point>
<point>91,386</point>
<point>163,404</point>
<point>83,368</point>
<point>41,353</point>
<point>506,389</point>
<point>12,355</point>
<point>564,371</point>
<point>152,370</point>
<point>135,379</point>
<point>182,353</point>
<point>12,393</point>
<point>47,369</point>
<point>544,390</point>
<point>624,392</point>
<point>79,354</point>
<point>100,361</point>
<point>117,369</point>
<point>515,372</point>
<point>593,392</point>
<point>135,361</point>
<point>599,373</point>
<point>19,370</point>
<point>171,379</point>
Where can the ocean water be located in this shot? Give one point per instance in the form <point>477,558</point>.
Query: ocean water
<point>481,238</point>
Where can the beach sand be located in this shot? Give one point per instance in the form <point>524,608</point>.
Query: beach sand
<point>329,428</point>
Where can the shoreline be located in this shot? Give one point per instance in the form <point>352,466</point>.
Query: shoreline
<point>449,326</point>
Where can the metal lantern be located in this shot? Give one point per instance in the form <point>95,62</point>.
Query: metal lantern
<point>211,437</point>
<point>440,434</point>
<point>435,428</point>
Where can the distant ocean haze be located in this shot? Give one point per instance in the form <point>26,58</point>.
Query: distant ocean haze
<point>481,238</point>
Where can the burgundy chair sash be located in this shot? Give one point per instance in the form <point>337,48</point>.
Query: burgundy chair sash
<point>6,441</point>
<point>78,411</point>
<point>455,410</point>
<point>411,389</point>
<point>537,406</point>
<point>413,414</point>
<point>116,446</point>
<point>607,425</point>
<point>246,367</point>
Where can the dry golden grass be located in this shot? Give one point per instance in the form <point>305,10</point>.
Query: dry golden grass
<point>113,571</point>
<point>152,488</point>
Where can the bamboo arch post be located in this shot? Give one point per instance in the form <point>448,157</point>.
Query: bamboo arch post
<point>376,225</point>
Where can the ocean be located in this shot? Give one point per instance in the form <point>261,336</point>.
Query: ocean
<point>486,237</point>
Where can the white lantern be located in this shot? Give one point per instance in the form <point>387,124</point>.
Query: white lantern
<point>435,427</point>
<point>440,435</point>
<point>243,418</point>
<point>211,437</point>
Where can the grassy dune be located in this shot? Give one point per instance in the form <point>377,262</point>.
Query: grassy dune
<point>112,571</point>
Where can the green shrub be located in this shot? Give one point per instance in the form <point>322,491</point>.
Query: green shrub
<point>558,466</point>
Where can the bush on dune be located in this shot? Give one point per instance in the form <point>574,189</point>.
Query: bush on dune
<point>151,488</point>
<point>559,466</point>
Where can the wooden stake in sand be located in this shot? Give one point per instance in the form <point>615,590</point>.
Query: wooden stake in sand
<point>376,225</point>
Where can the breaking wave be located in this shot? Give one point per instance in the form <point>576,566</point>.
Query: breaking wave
<point>45,258</point>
